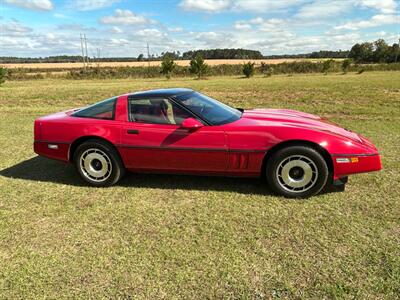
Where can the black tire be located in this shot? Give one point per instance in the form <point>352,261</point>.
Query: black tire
<point>98,163</point>
<point>297,172</point>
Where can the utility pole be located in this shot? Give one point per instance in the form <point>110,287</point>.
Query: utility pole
<point>148,54</point>
<point>397,52</point>
<point>98,57</point>
<point>87,57</point>
<point>83,54</point>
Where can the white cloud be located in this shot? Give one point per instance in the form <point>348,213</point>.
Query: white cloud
<point>344,39</point>
<point>175,29</point>
<point>375,21</point>
<point>215,39</point>
<point>274,27</point>
<point>385,6</point>
<point>150,33</point>
<point>241,25</point>
<point>310,8</point>
<point>212,6</point>
<point>205,5</point>
<point>260,23</point>
<point>324,9</point>
<point>14,28</point>
<point>270,24</point>
<point>125,17</point>
<point>257,20</point>
<point>118,42</point>
<point>76,28</point>
<point>85,5</point>
<point>116,29</point>
<point>264,5</point>
<point>32,4</point>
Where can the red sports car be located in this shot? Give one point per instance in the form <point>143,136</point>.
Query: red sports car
<point>183,131</point>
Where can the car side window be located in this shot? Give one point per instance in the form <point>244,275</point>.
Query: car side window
<point>101,110</point>
<point>156,111</point>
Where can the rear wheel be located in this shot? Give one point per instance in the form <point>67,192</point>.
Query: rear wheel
<point>98,163</point>
<point>297,172</point>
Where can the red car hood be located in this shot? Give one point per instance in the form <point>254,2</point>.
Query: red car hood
<point>293,118</point>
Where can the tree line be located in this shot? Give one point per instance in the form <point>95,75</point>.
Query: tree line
<point>376,52</point>
<point>315,54</point>
<point>224,54</point>
<point>368,52</point>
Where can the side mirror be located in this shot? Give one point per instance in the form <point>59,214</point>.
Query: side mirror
<point>191,123</point>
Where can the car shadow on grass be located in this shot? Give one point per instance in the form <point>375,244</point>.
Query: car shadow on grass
<point>46,170</point>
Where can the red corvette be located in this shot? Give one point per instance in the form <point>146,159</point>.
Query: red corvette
<point>183,131</point>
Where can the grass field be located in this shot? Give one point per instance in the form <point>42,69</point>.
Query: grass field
<point>211,62</point>
<point>157,236</point>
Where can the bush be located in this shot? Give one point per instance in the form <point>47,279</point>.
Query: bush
<point>327,65</point>
<point>167,66</point>
<point>3,74</point>
<point>198,66</point>
<point>266,69</point>
<point>346,65</point>
<point>248,69</point>
<point>298,67</point>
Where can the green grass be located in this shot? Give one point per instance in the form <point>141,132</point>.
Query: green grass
<point>160,236</point>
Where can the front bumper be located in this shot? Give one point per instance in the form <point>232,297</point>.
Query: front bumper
<point>347,164</point>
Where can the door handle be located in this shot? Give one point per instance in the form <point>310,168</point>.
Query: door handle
<point>132,131</point>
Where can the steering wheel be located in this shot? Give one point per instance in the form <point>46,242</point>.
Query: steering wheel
<point>205,109</point>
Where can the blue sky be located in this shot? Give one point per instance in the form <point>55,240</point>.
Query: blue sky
<point>123,27</point>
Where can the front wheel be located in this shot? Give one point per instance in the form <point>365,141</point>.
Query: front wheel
<point>297,172</point>
<point>98,163</point>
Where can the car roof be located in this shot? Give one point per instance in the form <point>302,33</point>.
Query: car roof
<point>161,92</point>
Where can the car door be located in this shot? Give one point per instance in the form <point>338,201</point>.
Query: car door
<point>153,139</point>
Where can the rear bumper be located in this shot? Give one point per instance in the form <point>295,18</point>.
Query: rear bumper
<point>54,150</point>
<point>347,164</point>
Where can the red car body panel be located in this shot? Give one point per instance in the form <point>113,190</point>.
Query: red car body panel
<point>237,149</point>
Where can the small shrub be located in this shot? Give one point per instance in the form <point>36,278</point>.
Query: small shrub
<point>346,65</point>
<point>198,66</point>
<point>248,69</point>
<point>327,65</point>
<point>167,66</point>
<point>361,71</point>
<point>266,69</point>
<point>3,74</point>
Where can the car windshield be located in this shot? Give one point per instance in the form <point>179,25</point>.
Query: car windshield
<point>211,110</point>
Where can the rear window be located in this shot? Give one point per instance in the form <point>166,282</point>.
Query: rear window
<point>101,110</point>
